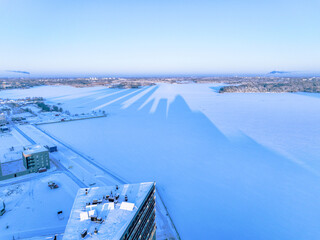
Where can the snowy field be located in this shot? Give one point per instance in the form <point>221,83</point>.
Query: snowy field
<point>31,207</point>
<point>229,166</point>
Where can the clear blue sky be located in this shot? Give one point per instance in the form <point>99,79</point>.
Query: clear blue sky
<point>159,36</point>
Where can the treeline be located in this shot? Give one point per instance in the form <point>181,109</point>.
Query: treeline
<point>292,85</point>
<point>48,108</point>
<point>124,85</point>
<point>12,83</point>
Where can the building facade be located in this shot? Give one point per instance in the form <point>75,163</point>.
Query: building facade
<point>51,147</point>
<point>143,225</point>
<point>35,157</point>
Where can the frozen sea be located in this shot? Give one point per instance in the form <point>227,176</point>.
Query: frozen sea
<point>229,166</point>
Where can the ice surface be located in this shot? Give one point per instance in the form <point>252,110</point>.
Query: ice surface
<point>253,157</point>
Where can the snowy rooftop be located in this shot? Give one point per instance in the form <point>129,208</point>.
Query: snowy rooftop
<point>115,216</point>
<point>12,167</point>
<point>31,149</point>
<point>12,156</point>
<point>11,146</point>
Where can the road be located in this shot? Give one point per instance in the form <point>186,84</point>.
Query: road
<point>67,172</point>
<point>22,133</point>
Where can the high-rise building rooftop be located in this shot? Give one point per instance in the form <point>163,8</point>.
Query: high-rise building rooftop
<point>113,212</point>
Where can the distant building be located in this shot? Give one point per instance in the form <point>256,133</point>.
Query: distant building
<point>4,129</point>
<point>113,212</point>
<point>35,157</point>
<point>16,160</point>
<point>3,120</point>
<point>51,147</point>
<point>18,119</point>
<point>11,164</point>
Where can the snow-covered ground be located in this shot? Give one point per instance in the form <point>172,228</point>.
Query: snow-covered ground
<point>229,166</point>
<point>31,207</point>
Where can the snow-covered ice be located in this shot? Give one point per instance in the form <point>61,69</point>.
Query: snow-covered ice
<point>229,166</point>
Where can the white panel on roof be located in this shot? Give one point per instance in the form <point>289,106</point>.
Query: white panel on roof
<point>92,213</point>
<point>84,216</point>
<point>127,206</point>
